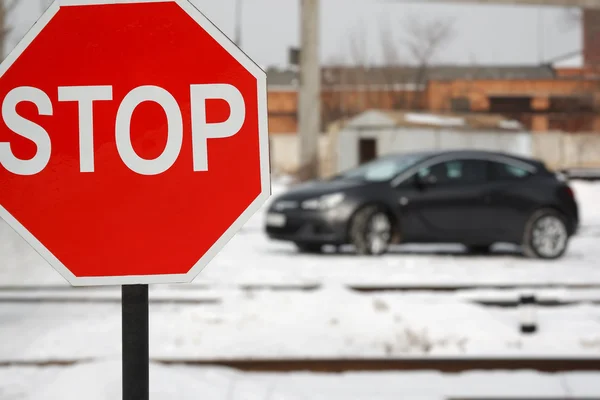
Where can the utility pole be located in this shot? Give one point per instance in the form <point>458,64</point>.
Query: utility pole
<point>238,23</point>
<point>309,110</point>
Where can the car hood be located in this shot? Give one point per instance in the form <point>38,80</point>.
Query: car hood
<point>319,188</point>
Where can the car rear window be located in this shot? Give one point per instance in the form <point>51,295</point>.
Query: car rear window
<point>507,172</point>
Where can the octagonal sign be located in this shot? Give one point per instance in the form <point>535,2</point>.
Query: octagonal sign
<point>133,141</point>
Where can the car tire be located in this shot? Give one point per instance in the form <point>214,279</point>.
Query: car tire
<point>546,235</point>
<point>309,248</point>
<point>371,231</point>
<point>479,249</point>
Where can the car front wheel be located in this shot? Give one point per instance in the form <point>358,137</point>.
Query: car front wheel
<point>546,235</point>
<point>371,231</point>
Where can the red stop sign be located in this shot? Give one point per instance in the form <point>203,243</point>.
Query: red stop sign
<point>133,141</point>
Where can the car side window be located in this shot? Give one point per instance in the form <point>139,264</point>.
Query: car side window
<point>507,172</point>
<point>455,172</point>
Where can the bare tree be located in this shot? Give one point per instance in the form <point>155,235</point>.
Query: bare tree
<point>419,42</point>
<point>423,41</point>
<point>395,71</point>
<point>347,89</point>
<point>334,84</point>
<point>359,56</point>
<point>360,84</point>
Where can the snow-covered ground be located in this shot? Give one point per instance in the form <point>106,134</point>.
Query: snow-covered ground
<point>102,381</point>
<point>217,318</point>
<point>328,323</point>
<point>251,259</point>
<point>214,318</point>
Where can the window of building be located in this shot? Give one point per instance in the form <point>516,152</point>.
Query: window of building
<point>580,103</point>
<point>460,104</point>
<point>510,104</point>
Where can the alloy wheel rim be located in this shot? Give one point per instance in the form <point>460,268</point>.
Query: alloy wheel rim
<point>379,233</point>
<point>549,236</point>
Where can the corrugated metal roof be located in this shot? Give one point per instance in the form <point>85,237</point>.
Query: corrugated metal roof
<point>341,76</point>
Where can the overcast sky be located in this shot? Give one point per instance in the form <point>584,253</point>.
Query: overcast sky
<point>483,34</point>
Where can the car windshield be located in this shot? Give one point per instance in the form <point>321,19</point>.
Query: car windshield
<point>383,169</point>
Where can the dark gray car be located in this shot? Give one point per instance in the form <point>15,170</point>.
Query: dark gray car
<point>472,197</point>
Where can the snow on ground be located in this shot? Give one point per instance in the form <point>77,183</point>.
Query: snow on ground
<point>419,265</point>
<point>101,381</point>
<point>588,197</point>
<point>250,258</point>
<point>328,323</point>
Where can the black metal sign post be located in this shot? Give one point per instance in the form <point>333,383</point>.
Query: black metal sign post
<point>135,342</point>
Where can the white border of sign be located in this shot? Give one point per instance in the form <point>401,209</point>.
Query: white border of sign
<point>243,59</point>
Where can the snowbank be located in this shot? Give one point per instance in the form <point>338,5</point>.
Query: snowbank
<point>101,381</point>
<point>588,198</point>
<point>328,323</point>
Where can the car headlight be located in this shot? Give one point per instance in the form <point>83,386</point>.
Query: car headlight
<point>326,202</point>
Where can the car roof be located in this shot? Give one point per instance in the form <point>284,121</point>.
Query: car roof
<point>468,153</point>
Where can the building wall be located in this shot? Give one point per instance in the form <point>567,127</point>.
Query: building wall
<point>535,96</point>
<point>438,97</point>
<point>561,150</point>
<point>440,93</point>
<point>283,124</point>
<point>557,149</point>
<point>283,104</point>
<point>399,140</point>
<point>285,158</point>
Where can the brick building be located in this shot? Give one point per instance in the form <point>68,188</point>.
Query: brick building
<point>555,104</point>
<point>561,96</point>
<point>535,95</point>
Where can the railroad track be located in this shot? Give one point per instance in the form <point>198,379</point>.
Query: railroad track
<point>458,288</point>
<point>216,301</point>
<point>403,364</point>
<point>316,286</point>
<point>447,365</point>
<point>102,300</point>
<point>204,295</point>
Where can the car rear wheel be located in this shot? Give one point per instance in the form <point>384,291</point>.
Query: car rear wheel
<point>371,231</point>
<point>309,248</point>
<point>546,235</point>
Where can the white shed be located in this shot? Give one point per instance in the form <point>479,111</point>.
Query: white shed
<point>376,133</point>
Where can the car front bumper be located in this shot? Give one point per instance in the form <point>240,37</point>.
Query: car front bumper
<point>307,226</point>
